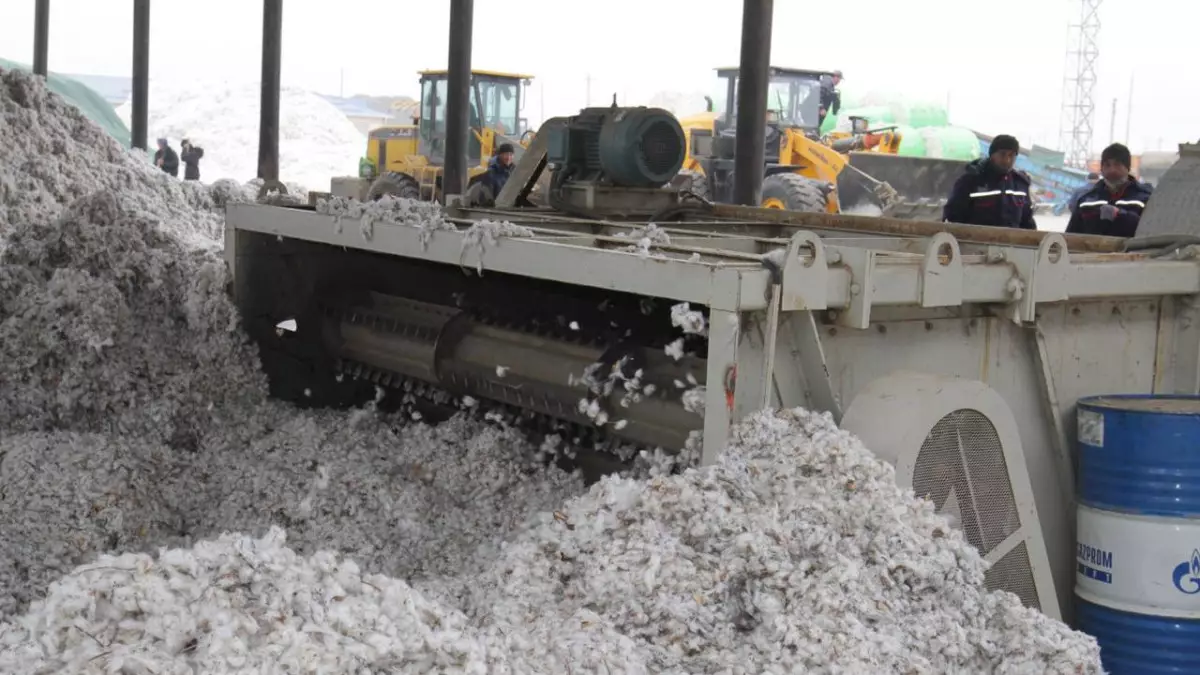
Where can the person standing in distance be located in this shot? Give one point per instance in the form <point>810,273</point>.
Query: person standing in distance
<point>191,159</point>
<point>166,158</point>
<point>991,191</point>
<point>1114,206</point>
<point>831,98</point>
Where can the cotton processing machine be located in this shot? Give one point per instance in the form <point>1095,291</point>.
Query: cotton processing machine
<point>954,352</point>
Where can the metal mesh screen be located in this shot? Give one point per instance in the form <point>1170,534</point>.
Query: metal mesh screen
<point>1012,573</point>
<point>961,468</point>
<point>962,458</point>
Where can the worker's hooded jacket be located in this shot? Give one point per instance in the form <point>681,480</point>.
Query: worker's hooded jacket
<point>831,99</point>
<point>1130,201</point>
<point>984,196</point>
<point>191,162</point>
<point>497,175</point>
<point>170,160</point>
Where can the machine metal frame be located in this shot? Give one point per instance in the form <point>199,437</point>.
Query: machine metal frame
<point>803,315</point>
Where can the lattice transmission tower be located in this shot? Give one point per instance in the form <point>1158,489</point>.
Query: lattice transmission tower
<point>1079,85</point>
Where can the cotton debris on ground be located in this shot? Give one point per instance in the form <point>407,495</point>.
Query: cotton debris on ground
<point>133,416</point>
<point>316,141</point>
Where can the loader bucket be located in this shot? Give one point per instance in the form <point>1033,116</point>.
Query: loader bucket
<point>922,184</point>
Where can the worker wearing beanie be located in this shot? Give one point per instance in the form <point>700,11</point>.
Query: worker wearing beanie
<point>1113,207</point>
<point>489,185</point>
<point>991,191</point>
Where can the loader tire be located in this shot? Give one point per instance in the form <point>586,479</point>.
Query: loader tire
<point>692,181</point>
<point>794,192</point>
<point>395,184</point>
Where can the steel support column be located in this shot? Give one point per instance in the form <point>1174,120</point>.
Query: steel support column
<point>41,38</point>
<point>458,91</point>
<point>753,77</point>
<point>141,74</point>
<point>268,120</point>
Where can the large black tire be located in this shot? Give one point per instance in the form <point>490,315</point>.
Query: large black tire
<point>795,193</point>
<point>395,184</point>
<point>692,181</point>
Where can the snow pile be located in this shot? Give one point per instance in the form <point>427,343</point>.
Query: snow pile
<point>316,141</point>
<point>133,416</point>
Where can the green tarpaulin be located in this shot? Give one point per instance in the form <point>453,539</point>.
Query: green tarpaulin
<point>85,98</point>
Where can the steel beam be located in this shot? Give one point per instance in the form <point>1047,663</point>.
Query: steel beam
<point>753,77</point>
<point>41,38</point>
<point>268,120</point>
<point>458,93</point>
<point>141,74</point>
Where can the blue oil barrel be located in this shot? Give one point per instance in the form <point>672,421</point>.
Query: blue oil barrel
<point>1137,553</point>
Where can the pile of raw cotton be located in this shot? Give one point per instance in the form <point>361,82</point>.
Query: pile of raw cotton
<point>316,141</point>
<point>135,432</point>
<point>797,552</point>
<point>52,154</point>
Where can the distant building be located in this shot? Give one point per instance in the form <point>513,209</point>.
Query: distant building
<point>1154,164</point>
<point>363,113</point>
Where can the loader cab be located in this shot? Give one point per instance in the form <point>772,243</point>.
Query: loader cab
<point>493,113</point>
<point>793,98</point>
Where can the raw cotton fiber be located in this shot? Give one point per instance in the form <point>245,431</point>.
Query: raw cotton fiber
<point>316,140</point>
<point>51,154</point>
<point>160,515</point>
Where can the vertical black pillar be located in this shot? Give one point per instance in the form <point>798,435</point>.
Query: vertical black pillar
<point>41,38</point>
<point>753,77</point>
<point>458,90</point>
<point>272,60</point>
<point>141,73</point>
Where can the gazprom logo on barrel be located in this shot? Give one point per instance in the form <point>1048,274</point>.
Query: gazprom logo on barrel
<point>1186,576</point>
<point>1094,563</point>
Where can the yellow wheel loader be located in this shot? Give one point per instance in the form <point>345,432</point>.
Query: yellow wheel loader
<point>855,172</point>
<point>407,160</point>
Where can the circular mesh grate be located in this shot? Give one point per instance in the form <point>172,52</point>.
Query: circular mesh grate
<point>1012,573</point>
<point>661,149</point>
<point>962,458</point>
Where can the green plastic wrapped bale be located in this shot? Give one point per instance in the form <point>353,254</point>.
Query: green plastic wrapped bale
<point>951,143</point>
<point>877,115</point>
<point>912,142</point>
<point>928,115</point>
<point>85,98</point>
<point>830,123</point>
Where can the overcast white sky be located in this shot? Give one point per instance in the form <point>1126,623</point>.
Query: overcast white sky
<point>999,64</point>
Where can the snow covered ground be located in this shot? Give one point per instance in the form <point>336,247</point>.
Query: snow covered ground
<point>316,141</point>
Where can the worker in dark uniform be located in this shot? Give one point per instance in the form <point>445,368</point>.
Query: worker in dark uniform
<point>500,167</point>
<point>1074,198</point>
<point>166,158</point>
<point>991,191</point>
<point>1114,206</point>
<point>831,98</point>
<point>191,159</point>
<point>484,191</point>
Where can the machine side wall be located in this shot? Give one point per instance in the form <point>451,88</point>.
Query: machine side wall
<point>1093,347</point>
